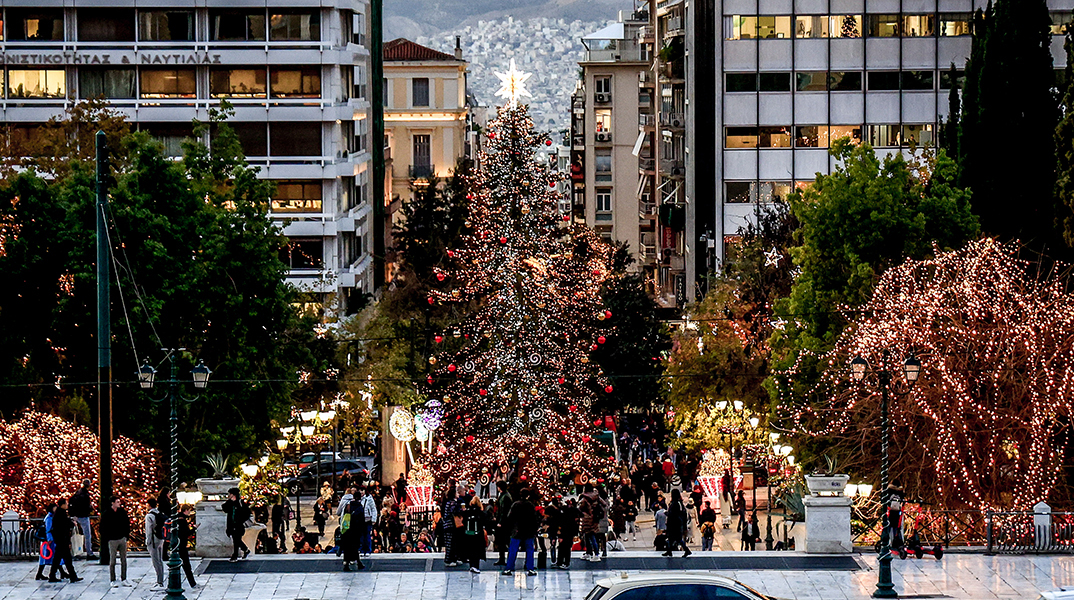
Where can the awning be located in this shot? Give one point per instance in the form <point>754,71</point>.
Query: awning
<point>615,31</point>
<point>637,145</point>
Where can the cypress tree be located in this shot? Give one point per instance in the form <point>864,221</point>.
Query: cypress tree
<point>1064,149</point>
<point>1009,96</point>
<point>949,128</point>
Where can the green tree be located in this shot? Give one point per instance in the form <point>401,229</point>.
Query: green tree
<point>1011,51</point>
<point>865,217</point>
<point>949,128</point>
<point>1064,148</point>
<point>197,266</point>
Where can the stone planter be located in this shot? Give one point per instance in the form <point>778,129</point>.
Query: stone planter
<point>213,541</point>
<point>827,485</point>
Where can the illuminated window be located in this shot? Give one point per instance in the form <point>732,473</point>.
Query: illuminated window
<point>740,137</point>
<point>35,24</point>
<point>168,83</point>
<point>919,25</point>
<point>811,136</point>
<point>845,26</point>
<point>917,135</point>
<point>36,83</point>
<point>845,131</point>
<point>302,26</point>
<point>774,137</point>
<point>773,27</point>
<point>956,24</point>
<point>883,136</point>
<point>811,26</point>
<point>296,83</point>
<point>740,27</point>
<point>603,119</point>
<point>883,25</point>
<point>297,196</point>
<point>237,83</point>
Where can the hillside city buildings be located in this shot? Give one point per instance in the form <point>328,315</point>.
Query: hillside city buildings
<point>297,76</point>
<point>739,104</point>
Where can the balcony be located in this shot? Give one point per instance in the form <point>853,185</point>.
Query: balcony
<point>646,79</point>
<point>420,171</point>
<point>673,120</point>
<point>578,142</point>
<point>613,51</point>
<point>672,167</point>
<point>647,120</point>
<point>646,34</point>
<point>602,137</point>
<point>674,26</point>
<point>646,164</point>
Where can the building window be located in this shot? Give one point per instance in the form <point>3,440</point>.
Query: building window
<point>769,27</point>
<point>237,83</point>
<point>253,137</point>
<point>35,24</point>
<point>774,191</point>
<point>603,119</point>
<point>106,83</point>
<point>297,196</point>
<point>360,86</point>
<point>811,26</point>
<point>740,27</point>
<point>918,80</point>
<point>846,131</point>
<point>302,253</point>
<point>845,26</point>
<point>603,84</point>
<point>774,137</point>
<point>237,26</point>
<point>294,138</point>
<point>423,155</point>
<point>740,137</point>
<point>420,88</point>
<point>919,25</point>
<point>105,25</point>
<point>883,25</point>
<point>168,83</point>
<point>36,83</point>
<point>604,204</point>
<point>959,79</point>
<point>880,81</point>
<point>815,81</point>
<point>358,25</point>
<point>603,163</point>
<point>296,83</point>
<point>166,26</point>
<point>844,81</point>
<point>171,135</point>
<point>811,136</point>
<point>917,135</point>
<point>956,24</point>
<point>741,82</point>
<point>774,82</point>
<point>295,27</point>
<point>883,136</point>
<point>738,192</point>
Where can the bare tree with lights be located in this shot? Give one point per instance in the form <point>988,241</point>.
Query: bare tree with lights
<point>514,396</point>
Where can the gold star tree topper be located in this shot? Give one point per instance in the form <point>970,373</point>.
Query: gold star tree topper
<point>513,84</point>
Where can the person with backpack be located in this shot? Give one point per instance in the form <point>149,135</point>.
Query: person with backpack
<point>708,526</point>
<point>183,529</point>
<point>115,529</point>
<point>154,540</point>
<point>237,514</point>
<point>473,540</point>
<point>352,531</point>
<point>524,523</point>
<point>677,521</point>
<point>370,507</point>
<point>81,507</point>
<point>61,537</point>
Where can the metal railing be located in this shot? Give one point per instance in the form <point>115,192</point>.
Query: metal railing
<point>1029,533</point>
<point>420,171</point>
<point>646,164</point>
<point>647,120</point>
<point>23,542</point>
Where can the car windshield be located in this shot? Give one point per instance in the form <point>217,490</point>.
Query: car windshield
<point>596,593</point>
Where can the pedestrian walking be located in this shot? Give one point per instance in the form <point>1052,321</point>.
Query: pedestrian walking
<point>524,523</point>
<point>603,527</point>
<point>183,529</point>
<point>237,514</point>
<point>278,516</point>
<point>154,541</point>
<point>80,509</point>
<point>593,510</point>
<point>61,538</point>
<point>677,520</point>
<point>892,525</point>
<point>370,507</point>
<point>452,519</point>
<point>569,516</point>
<point>473,539</point>
<point>47,549</point>
<point>630,513</point>
<point>750,534</point>
<point>320,515</point>
<point>352,529</point>
<point>740,508</point>
<point>504,501</point>
<point>727,485</point>
<point>115,529</point>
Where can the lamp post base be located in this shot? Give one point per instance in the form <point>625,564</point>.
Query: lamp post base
<point>885,588</point>
<point>175,577</point>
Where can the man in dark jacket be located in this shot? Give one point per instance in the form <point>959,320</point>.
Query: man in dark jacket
<point>80,510</point>
<point>61,536</point>
<point>237,514</point>
<point>568,529</point>
<point>524,523</point>
<point>351,539</point>
<point>115,528</point>
<point>503,532</point>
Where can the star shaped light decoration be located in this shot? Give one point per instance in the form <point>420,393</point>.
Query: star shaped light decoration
<point>772,258</point>
<point>513,84</point>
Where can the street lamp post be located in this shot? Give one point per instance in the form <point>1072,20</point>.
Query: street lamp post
<point>885,588</point>
<point>768,481</point>
<point>146,379</point>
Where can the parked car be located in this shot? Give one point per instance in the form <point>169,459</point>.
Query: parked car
<point>672,587</point>
<point>311,457</point>
<point>1063,593</point>
<point>306,480</point>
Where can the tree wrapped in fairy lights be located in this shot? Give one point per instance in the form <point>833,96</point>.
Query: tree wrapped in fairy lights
<point>987,424</point>
<point>515,388</point>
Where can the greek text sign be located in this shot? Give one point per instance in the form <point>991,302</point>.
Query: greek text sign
<point>118,57</point>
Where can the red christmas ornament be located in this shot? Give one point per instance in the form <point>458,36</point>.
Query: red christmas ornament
<point>548,142</point>
<point>596,423</point>
<point>440,277</point>
<point>563,432</point>
<point>451,253</point>
<point>439,339</point>
<point>469,196</point>
<point>573,408</point>
<point>482,392</point>
<point>469,438</point>
<point>503,240</point>
<point>593,347</point>
<point>432,300</point>
<point>601,480</point>
<point>552,184</point>
<point>596,272</point>
<point>429,379</point>
<point>544,472</point>
<point>492,134</point>
<point>451,369</point>
<point>608,389</point>
<point>522,478</point>
<point>601,339</point>
<point>585,439</point>
<point>607,314</point>
<point>566,218</point>
<point>561,381</point>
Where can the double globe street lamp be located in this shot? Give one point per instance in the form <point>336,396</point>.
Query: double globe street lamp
<point>147,379</point>
<point>911,369</point>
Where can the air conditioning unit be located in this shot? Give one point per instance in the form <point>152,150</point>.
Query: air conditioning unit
<point>678,171</point>
<point>676,122</point>
<point>604,98</point>
<point>604,137</point>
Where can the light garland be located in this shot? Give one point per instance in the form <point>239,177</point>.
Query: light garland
<point>996,391</point>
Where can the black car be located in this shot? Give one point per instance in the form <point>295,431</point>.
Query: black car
<point>307,477</point>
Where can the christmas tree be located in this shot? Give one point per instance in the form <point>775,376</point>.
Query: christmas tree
<point>514,398</point>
